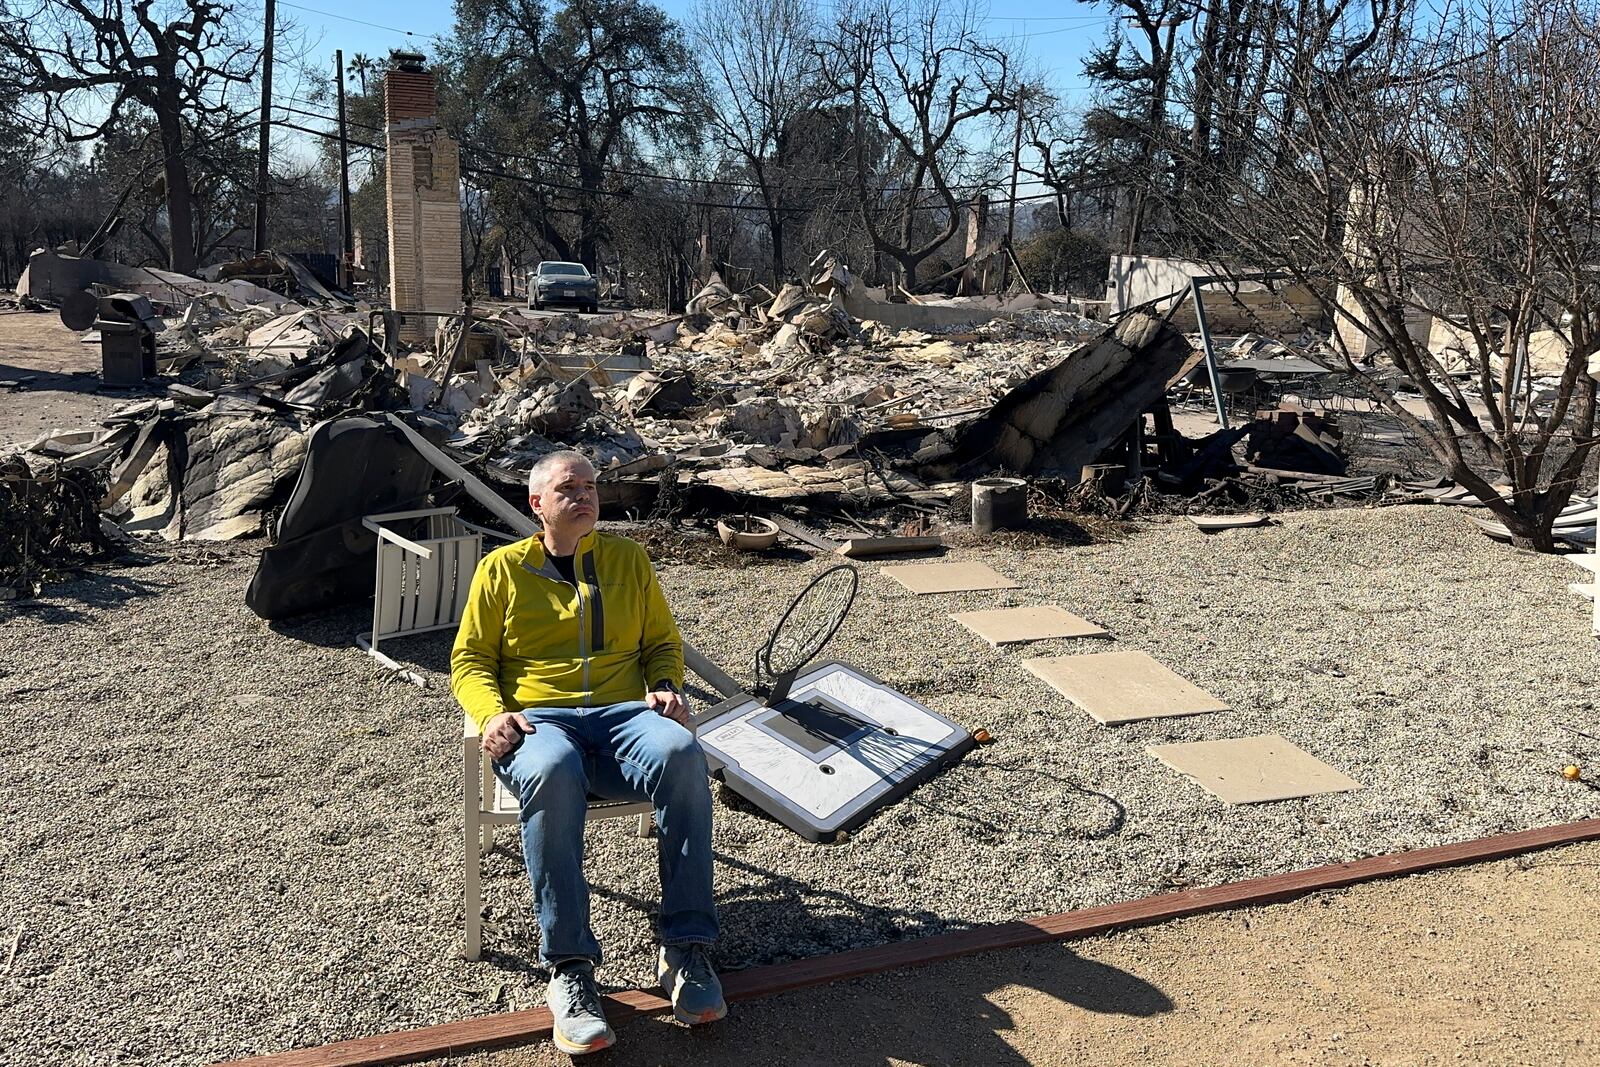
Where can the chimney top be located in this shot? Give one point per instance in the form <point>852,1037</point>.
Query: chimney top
<point>410,62</point>
<point>409,90</point>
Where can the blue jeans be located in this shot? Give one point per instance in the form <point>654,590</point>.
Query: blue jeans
<point>621,752</point>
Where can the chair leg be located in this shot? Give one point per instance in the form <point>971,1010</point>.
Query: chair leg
<point>471,855</point>
<point>474,907</point>
<point>371,648</point>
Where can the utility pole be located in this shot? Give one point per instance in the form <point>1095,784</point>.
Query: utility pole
<point>1011,208</point>
<point>705,245</point>
<point>347,245</point>
<point>266,130</point>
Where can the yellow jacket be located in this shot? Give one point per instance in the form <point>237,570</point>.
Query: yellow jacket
<point>528,639</point>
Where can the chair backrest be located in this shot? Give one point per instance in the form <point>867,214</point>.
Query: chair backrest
<point>422,583</point>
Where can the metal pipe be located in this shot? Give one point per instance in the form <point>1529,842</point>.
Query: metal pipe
<point>1011,208</point>
<point>1205,346</point>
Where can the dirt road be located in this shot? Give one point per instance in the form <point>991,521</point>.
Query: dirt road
<point>1494,964</point>
<point>65,388</point>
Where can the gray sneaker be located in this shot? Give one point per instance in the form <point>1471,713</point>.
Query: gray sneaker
<point>578,1023</point>
<point>687,978</point>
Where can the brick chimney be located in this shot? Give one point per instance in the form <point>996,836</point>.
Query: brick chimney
<point>423,171</point>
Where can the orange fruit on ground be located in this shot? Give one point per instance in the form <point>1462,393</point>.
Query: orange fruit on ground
<point>1571,773</point>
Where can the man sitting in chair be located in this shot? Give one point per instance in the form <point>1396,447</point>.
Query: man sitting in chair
<point>570,661</point>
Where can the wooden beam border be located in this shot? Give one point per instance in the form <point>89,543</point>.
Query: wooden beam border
<point>511,1028</point>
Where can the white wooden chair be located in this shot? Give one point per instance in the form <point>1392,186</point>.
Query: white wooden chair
<point>401,607</point>
<point>486,803</point>
<point>421,584</point>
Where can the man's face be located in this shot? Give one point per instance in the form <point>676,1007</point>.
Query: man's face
<point>569,500</point>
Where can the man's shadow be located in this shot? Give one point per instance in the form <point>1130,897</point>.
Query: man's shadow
<point>953,1012</point>
<point>948,1014</point>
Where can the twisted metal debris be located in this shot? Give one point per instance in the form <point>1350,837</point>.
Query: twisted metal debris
<point>49,523</point>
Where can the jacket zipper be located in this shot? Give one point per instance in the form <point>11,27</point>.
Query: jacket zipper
<point>583,623</point>
<point>584,651</point>
<point>583,640</point>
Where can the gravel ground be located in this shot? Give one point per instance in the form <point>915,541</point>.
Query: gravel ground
<point>222,837</point>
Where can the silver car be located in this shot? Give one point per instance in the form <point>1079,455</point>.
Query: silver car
<point>566,284</point>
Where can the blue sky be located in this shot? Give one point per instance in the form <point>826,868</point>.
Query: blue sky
<point>1056,36</point>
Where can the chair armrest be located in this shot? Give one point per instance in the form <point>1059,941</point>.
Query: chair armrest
<point>385,534</point>
<point>395,516</point>
<point>373,522</point>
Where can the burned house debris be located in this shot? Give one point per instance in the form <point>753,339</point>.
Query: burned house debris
<point>49,521</point>
<point>745,402</point>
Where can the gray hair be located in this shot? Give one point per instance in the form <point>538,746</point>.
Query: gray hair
<point>542,470</point>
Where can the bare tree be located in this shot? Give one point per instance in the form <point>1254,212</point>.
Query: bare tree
<point>1137,63</point>
<point>756,54</point>
<point>1442,182</point>
<point>572,93</point>
<point>657,235</point>
<point>85,67</point>
<point>1069,160</point>
<point>921,72</point>
<point>1182,89</point>
<point>481,237</point>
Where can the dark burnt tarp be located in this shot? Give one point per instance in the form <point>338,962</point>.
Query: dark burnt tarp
<point>322,556</point>
<point>1069,413</point>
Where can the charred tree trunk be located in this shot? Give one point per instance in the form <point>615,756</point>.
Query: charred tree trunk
<point>181,243</point>
<point>775,226</point>
<point>588,216</point>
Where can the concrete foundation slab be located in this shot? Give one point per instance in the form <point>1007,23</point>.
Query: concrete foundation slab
<point>1116,687</point>
<point>1039,622</point>
<point>1253,770</point>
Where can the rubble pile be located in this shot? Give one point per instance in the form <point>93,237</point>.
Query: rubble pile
<point>761,394</point>
<point>245,372</point>
<point>49,521</point>
<point>1291,439</point>
<point>822,393</point>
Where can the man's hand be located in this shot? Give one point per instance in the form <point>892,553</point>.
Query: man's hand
<point>503,733</point>
<point>669,704</point>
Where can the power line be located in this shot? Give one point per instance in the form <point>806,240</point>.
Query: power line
<point>1074,21</point>
<point>1041,18</point>
<point>1039,33</point>
<point>815,186</point>
<point>643,157</point>
<point>1077,22</point>
<point>833,9</point>
<point>631,195</point>
<point>361,22</point>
